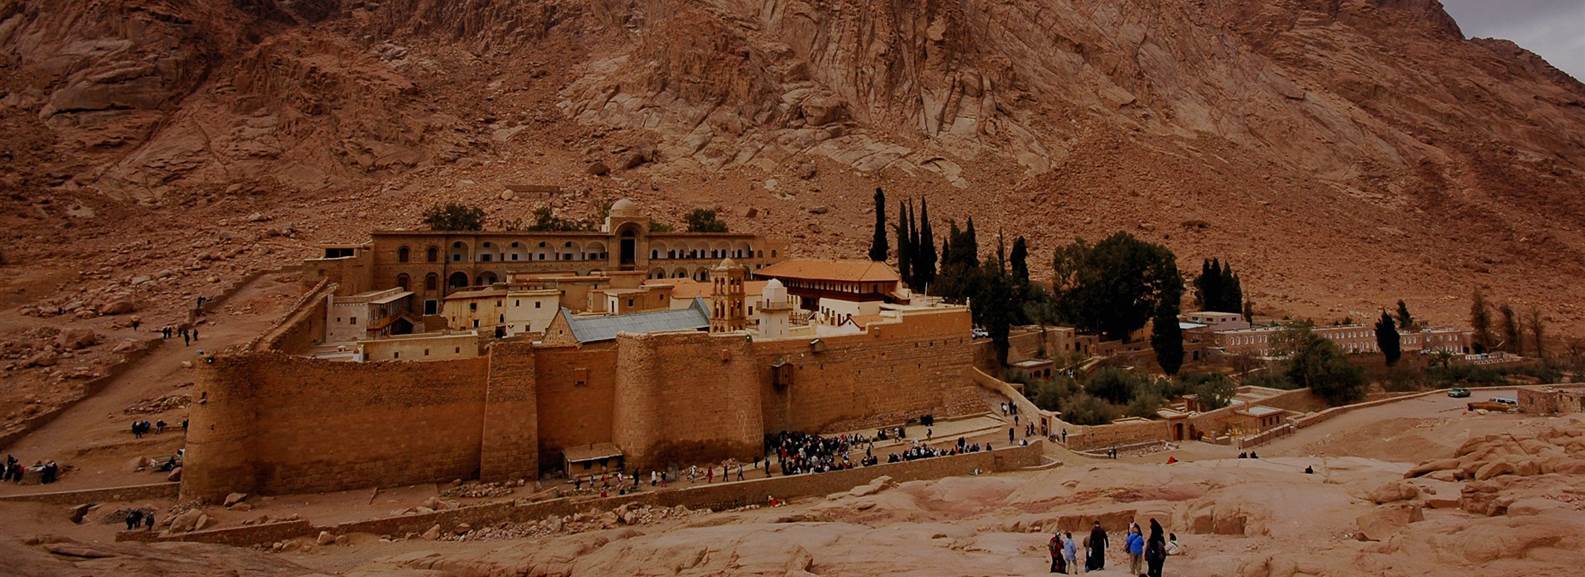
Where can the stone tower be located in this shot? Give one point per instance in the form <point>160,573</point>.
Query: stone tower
<point>727,311</point>
<point>774,311</point>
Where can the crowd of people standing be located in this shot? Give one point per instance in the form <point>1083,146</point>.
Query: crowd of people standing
<point>1147,555</point>
<point>14,471</point>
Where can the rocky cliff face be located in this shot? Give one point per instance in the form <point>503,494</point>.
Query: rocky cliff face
<point>1325,143</point>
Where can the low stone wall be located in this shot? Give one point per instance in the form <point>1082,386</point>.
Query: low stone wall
<point>716,496</point>
<point>110,494</point>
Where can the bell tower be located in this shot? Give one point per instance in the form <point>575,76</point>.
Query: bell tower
<point>727,311</point>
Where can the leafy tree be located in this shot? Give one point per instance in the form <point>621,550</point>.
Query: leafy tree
<point>658,226</point>
<point>878,249</point>
<point>1387,338</point>
<point>1144,404</point>
<point>1084,409</point>
<point>704,220</point>
<point>1319,364</point>
<point>454,216</point>
<point>1511,334</point>
<point>1115,385</point>
<point>994,305</point>
<point>905,247</point>
<point>1405,320</point>
<point>1480,322</point>
<point>1116,286</point>
<point>960,267</point>
<point>1051,394</point>
<point>1537,327</point>
<point>1214,390</point>
<point>925,259</point>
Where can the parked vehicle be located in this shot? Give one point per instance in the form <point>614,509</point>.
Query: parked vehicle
<point>1458,393</point>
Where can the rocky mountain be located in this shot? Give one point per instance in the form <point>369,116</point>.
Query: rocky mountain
<point>1342,153</point>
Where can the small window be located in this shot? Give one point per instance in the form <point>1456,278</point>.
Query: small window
<point>536,304</point>
<point>473,307</point>
<point>517,302</point>
<point>426,352</point>
<point>580,377</point>
<point>396,354</point>
<point>457,350</point>
<point>630,302</point>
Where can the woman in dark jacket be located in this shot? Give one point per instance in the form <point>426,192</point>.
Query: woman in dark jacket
<point>1155,550</point>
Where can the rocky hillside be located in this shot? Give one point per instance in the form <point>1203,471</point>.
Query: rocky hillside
<point>1342,154</point>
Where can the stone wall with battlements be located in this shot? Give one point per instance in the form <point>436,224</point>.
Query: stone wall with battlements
<point>890,374</point>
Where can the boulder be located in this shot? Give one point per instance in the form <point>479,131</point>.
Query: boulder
<point>117,307</point>
<point>433,533</point>
<point>1431,466</point>
<point>325,538</point>
<point>78,512</point>
<point>235,498</point>
<point>77,338</point>
<point>1393,491</point>
<point>185,521</point>
<point>598,168</point>
<point>1381,523</point>
<point>176,475</point>
<point>1494,469</point>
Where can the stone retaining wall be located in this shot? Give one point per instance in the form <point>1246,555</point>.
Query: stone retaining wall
<point>110,494</point>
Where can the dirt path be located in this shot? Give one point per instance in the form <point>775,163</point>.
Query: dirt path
<point>1404,431</point>
<point>95,435</point>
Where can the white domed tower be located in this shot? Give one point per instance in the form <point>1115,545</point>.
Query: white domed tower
<point>774,311</point>
<point>630,226</point>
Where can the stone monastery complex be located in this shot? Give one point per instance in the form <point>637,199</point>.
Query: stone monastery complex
<point>427,356</point>
<point>502,355</point>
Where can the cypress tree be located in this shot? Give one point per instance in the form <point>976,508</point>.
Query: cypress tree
<point>878,247</point>
<point>925,265</point>
<point>1405,320</point>
<point>905,247</point>
<point>971,256</point>
<point>1387,339</point>
<point>1020,263</point>
<point>1480,321</point>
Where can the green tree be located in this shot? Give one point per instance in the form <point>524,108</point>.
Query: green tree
<point>1214,390</point>
<point>1319,364</point>
<point>1115,385</point>
<point>1511,334</point>
<point>1387,338</point>
<point>1537,326</point>
<point>1405,320</point>
<point>454,216</point>
<point>993,306</point>
<point>1116,286</point>
<point>1249,311</point>
<point>878,249</point>
<point>1480,322</point>
<point>705,220</point>
<point>1084,409</point>
<point>905,246</point>
<point>1051,394</point>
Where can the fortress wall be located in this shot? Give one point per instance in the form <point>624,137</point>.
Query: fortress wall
<point>686,398</point>
<point>509,445</point>
<point>571,414</point>
<point>273,423</point>
<point>892,373</point>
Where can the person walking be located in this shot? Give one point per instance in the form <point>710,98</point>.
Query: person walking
<point>134,518</point>
<point>1070,551</point>
<point>1134,543</point>
<point>1096,560</point>
<point>1055,547</point>
<point>1155,550</point>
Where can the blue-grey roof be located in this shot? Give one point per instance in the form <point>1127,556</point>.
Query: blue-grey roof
<point>593,329</point>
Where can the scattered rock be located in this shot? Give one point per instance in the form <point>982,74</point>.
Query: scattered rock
<point>1393,491</point>
<point>598,168</point>
<point>325,538</point>
<point>822,209</point>
<point>433,533</point>
<point>77,338</point>
<point>235,498</point>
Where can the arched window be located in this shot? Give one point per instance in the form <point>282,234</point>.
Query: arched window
<point>431,281</point>
<point>403,254</point>
<point>432,254</point>
<point>402,280</point>
<point>457,279</point>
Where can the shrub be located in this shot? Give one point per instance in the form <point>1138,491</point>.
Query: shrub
<point>1115,385</point>
<point>1050,395</point>
<point>704,220</point>
<point>1319,364</point>
<point>1084,409</point>
<point>1144,404</point>
<point>1270,379</point>
<point>454,216</point>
